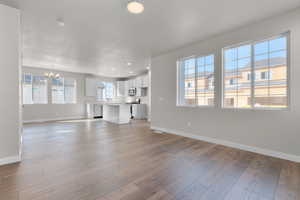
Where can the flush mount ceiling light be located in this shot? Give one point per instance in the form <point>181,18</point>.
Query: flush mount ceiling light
<point>135,6</point>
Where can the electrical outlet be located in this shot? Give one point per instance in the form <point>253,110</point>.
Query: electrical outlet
<point>189,124</point>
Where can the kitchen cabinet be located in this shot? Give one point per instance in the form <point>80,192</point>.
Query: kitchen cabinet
<point>126,88</point>
<point>138,92</point>
<point>90,87</point>
<point>130,83</point>
<point>139,111</point>
<point>139,81</point>
<point>145,80</point>
<point>121,88</point>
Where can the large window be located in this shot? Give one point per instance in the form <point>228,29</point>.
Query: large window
<point>196,81</point>
<point>63,91</point>
<point>70,90</point>
<point>255,74</point>
<point>34,89</point>
<point>109,90</point>
<point>105,91</point>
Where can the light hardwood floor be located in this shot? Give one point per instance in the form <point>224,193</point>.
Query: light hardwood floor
<point>95,160</point>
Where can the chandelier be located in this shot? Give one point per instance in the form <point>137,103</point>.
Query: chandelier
<point>51,75</point>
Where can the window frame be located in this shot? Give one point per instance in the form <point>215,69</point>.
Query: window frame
<point>32,87</point>
<point>75,90</point>
<point>178,93</point>
<point>252,43</point>
<point>23,79</point>
<point>64,95</point>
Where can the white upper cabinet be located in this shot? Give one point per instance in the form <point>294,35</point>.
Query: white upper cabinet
<point>126,88</point>
<point>145,81</point>
<point>90,87</point>
<point>139,81</point>
<point>131,83</point>
<point>121,88</point>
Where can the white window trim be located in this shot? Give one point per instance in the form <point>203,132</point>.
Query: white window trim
<point>26,73</point>
<point>252,42</point>
<point>64,92</point>
<point>178,81</point>
<point>32,100</point>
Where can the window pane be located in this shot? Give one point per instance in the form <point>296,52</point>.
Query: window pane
<point>244,51</point>
<point>70,90</point>
<point>233,73</point>
<point>39,90</point>
<point>278,58</point>
<point>261,60</point>
<point>261,48</point>
<point>187,83</point>
<point>244,64</point>
<point>230,54</point>
<point>200,61</point>
<point>108,90</point>
<point>205,81</point>
<point>278,44</point>
<point>270,89</point>
<point>58,92</point>
<point>209,60</point>
<point>27,89</point>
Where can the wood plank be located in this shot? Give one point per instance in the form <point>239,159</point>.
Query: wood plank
<point>80,160</point>
<point>259,180</point>
<point>289,182</point>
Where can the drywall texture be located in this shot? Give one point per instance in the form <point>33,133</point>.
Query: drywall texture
<point>9,83</point>
<point>272,130</point>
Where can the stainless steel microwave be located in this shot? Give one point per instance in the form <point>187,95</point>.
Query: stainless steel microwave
<point>132,92</point>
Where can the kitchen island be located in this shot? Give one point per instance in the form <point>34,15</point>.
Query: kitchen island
<point>118,113</point>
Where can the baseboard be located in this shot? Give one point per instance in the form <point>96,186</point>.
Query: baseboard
<point>53,119</point>
<point>253,149</point>
<point>10,160</point>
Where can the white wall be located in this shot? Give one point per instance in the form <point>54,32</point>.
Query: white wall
<point>274,132</point>
<point>10,116</point>
<point>45,112</point>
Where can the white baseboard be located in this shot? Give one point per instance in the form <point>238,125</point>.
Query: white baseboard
<point>10,160</point>
<point>53,119</point>
<point>258,150</point>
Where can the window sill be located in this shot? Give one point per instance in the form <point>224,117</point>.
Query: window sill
<point>196,106</point>
<point>257,109</point>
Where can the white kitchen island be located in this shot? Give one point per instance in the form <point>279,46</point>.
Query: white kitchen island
<point>118,113</point>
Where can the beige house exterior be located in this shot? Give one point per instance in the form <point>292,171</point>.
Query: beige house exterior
<point>270,86</point>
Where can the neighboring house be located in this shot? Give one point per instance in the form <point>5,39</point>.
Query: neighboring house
<point>269,78</point>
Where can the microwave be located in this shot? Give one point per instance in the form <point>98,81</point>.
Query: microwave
<point>132,92</point>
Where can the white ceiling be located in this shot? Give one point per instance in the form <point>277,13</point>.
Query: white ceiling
<point>101,37</point>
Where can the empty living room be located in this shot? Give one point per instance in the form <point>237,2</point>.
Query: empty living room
<point>150,100</point>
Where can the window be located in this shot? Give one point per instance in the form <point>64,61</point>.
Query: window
<point>264,84</point>
<point>233,81</point>
<point>105,91</point>
<point>34,89</point>
<point>70,90</point>
<point>63,91</point>
<point>27,89</point>
<point>196,81</point>
<point>58,91</point>
<point>108,92</point>
<point>100,92</point>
